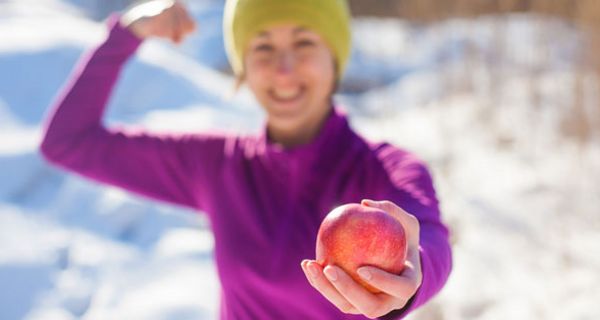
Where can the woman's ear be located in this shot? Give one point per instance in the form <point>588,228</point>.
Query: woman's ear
<point>336,80</point>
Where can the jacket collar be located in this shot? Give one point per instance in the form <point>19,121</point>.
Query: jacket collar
<point>334,130</point>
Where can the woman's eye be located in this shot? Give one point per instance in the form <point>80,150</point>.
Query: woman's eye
<point>263,48</point>
<point>304,43</point>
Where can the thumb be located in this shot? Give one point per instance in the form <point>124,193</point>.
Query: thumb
<point>408,221</point>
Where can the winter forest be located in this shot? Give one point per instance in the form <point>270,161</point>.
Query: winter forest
<point>500,97</point>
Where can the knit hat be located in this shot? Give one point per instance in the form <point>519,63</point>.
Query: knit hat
<point>244,19</point>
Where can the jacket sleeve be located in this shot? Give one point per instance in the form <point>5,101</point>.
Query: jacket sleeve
<point>411,188</point>
<point>172,168</point>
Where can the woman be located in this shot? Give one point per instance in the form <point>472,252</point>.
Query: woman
<point>264,195</point>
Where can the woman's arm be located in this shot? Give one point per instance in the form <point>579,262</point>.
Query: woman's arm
<point>165,167</point>
<point>413,190</point>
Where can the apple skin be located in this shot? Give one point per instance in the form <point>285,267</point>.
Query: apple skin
<point>354,235</point>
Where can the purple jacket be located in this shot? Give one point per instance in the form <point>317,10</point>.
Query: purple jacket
<point>265,203</point>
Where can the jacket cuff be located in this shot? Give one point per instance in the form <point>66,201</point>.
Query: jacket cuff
<point>121,37</point>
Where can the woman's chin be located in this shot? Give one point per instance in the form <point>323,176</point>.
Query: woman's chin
<point>286,116</point>
<point>287,108</point>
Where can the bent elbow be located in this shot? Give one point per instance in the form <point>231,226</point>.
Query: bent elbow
<point>56,149</point>
<point>49,149</point>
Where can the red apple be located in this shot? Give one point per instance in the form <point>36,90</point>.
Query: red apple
<point>354,235</point>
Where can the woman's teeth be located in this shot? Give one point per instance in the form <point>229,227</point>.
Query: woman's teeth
<point>286,94</point>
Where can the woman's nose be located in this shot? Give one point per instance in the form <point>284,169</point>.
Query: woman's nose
<point>285,62</point>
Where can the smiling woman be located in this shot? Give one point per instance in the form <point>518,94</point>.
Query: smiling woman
<point>291,72</point>
<point>291,54</point>
<point>265,195</point>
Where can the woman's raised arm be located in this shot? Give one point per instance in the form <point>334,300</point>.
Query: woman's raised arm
<point>165,167</point>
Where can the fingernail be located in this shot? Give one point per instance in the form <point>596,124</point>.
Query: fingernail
<point>364,273</point>
<point>312,270</point>
<point>330,273</point>
<point>303,264</point>
<point>367,202</point>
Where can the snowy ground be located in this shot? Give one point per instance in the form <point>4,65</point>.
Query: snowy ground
<point>522,201</point>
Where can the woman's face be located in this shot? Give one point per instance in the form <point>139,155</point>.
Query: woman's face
<point>291,72</point>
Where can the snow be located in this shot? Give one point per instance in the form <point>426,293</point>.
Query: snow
<point>520,198</point>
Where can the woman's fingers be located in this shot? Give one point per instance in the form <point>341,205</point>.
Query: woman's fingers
<point>315,276</point>
<point>176,24</point>
<point>186,22</point>
<point>399,286</point>
<point>367,303</point>
<point>181,22</point>
<point>351,297</point>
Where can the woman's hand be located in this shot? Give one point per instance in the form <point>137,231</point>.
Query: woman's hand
<point>159,18</point>
<point>350,297</point>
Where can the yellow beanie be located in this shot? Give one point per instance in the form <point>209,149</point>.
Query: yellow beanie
<point>244,19</point>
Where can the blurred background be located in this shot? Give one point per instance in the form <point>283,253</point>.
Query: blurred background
<point>500,97</point>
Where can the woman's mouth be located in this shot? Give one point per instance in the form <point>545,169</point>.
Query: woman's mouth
<point>286,95</point>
